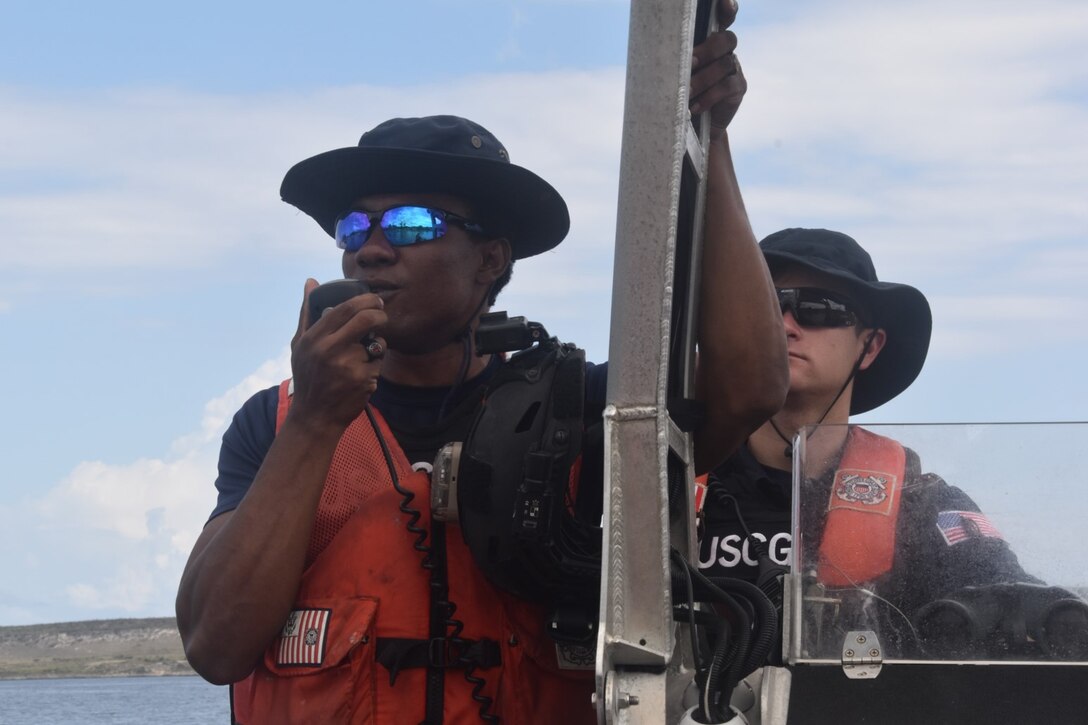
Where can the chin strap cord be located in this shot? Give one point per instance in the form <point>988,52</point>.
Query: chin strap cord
<point>465,337</point>
<point>788,452</point>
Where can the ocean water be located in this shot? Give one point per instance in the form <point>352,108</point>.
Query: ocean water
<point>113,701</point>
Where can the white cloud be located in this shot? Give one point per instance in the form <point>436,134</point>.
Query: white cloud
<point>941,81</point>
<point>946,140</point>
<point>975,328</point>
<point>120,498</point>
<point>930,142</point>
<point>159,497</point>
<point>157,179</point>
<point>145,515</point>
<point>128,589</point>
<point>1010,309</point>
<point>219,411</point>
<point>956,124</point>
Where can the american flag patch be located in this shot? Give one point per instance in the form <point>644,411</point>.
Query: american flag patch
<point>956,526</point>
<point>302,642</point>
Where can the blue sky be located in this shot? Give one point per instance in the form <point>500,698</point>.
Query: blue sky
<point>150,277</point>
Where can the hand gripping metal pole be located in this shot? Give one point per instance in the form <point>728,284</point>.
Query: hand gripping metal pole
<point>643,665</point>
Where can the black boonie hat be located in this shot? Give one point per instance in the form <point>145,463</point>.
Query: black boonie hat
<point>899,309</point>
<point>434,154</point>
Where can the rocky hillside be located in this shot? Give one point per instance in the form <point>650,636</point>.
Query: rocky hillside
<point>97,648</point>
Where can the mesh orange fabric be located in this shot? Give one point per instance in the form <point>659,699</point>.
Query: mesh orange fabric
<point>357,472</point>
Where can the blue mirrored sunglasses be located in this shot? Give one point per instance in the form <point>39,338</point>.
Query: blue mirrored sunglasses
<point>814,307</point>
<point>402,225</point>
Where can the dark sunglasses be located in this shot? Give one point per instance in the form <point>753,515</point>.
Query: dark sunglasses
<point>402,225</point>
<point>814,307</point>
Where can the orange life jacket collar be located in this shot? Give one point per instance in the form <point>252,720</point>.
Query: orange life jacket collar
<point>858,542</point>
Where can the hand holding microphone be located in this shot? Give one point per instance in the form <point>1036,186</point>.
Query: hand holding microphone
<point>330,294</point>
<point>335,356</point>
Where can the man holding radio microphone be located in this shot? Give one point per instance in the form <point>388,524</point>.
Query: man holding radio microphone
<point>321,588</point>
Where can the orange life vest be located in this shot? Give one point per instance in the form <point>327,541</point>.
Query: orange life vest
<point>365,584</point>
<point>858,543</point>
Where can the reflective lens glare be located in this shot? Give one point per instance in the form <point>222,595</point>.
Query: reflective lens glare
<point>813,307</point>
<point>401,225</point>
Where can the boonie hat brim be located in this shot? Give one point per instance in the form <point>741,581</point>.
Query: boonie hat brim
<point>436,154</point>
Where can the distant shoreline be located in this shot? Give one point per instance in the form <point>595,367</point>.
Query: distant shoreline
<point>148,647</point>
<point>18,678</point>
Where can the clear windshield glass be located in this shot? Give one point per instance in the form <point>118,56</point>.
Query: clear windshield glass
<point>950,542</point>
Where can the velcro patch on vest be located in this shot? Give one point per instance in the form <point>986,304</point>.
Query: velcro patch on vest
<point>857,489</point>
<point>572,656</point>
<point>303,639</point>
<point>957,526</point>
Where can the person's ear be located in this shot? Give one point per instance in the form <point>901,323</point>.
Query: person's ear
<point>876,344</point>
<point>495,257</point>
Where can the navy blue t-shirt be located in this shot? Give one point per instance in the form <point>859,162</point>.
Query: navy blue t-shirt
<point>413,414</point>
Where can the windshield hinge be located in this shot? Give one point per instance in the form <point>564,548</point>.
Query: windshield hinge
<point>862,656</point>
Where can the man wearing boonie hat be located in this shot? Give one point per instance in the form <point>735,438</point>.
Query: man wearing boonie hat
<point>854,343</point>
<point>320,587</point>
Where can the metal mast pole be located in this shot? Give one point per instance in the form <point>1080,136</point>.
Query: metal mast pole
<point>642,664</point>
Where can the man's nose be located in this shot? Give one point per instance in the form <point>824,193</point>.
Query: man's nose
<point>793,328</point>
<point>376,250</point>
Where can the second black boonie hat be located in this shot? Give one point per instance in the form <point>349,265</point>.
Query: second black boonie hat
<point>900,310</point>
